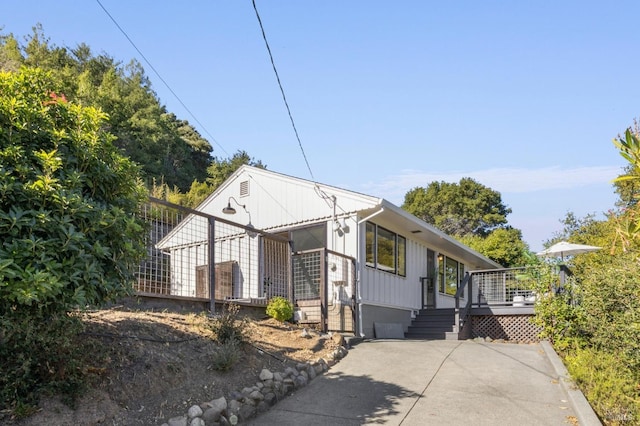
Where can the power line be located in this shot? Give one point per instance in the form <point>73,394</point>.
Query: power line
<point>284,97</point>
<point>160,77</point>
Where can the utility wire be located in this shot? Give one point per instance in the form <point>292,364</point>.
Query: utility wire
<point>161,79</point>
<point>284,97</point>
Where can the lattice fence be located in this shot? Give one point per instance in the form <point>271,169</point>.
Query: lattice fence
<point>515,328</point>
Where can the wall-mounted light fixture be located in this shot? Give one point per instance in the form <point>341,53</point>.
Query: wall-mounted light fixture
<point>340,225</point>
<point>230,210</point>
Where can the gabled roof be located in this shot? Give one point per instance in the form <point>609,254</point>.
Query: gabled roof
<point>307,201</point>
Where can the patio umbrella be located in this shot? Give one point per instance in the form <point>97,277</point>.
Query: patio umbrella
<point>564,248</point>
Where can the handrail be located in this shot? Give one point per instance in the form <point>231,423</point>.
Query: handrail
<point>457,324</point>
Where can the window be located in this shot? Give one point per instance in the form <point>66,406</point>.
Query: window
<point>385,250</point>
<point>401,256</point>
<point>310,238</point>
<point>450,273</point>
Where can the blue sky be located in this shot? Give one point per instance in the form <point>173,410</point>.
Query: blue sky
<point>524,97</point>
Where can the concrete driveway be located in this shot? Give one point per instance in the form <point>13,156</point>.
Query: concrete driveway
<point>409,382</point>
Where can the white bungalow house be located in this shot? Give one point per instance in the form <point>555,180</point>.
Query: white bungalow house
<point>352,259</point>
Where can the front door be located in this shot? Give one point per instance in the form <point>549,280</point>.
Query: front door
<point>429,282</point>
<point>428,293</point>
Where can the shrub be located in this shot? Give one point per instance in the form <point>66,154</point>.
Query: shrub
<point>560,319</point>
<point>70,234</point>
<point>280,308</point>
<point>226,355</point>
<point>609,383</point>
<point>228,326</point>
<point>39,355</point>
<point>69,200</point>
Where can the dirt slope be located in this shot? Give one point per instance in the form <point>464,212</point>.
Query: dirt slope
<point>151,366</point>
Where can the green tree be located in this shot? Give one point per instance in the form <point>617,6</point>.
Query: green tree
<point>10,56</point>
<point>221,169</point>
<point>168,149</point>
<point>503,245</point>
<point>459,209</point>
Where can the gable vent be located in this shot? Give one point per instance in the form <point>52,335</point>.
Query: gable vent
<point>244,188</point>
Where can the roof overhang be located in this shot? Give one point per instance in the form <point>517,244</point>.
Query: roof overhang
<point>393,216</point>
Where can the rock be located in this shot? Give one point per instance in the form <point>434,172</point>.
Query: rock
<point>300,381</point>
<point>321,363</point>
<point>234,407</point>
<point>305,334</point>
<point>247,391</point>
<point>488,339</point>
<point>288,385</point>
<point>219,404</point>
<point>290,372</point>
<point>194,411</point>
<point>277,376</point>
<point>301,366</point>
<point>311,372</point>
<point>256,396</point>
<point>270,399</point>
<point>247,411</point>
<point>224,421</point>
<point>266,375</point>
<point>339,353</point>
<point>338,339</point>
<point>197,421</point>
<point>178,421</point>
<point>212,415</point>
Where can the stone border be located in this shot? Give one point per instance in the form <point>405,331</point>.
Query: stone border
<point>245,404</point>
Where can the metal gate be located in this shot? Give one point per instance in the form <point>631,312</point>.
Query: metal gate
<point>324,290</point>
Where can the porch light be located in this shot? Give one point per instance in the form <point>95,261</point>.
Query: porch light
<point>230,210</point>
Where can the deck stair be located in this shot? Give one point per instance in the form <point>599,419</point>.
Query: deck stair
<point>433,324</point>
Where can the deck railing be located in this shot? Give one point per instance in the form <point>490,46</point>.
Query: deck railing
<point>509,287</point>
<point>514,287</point>
<point>194,255</point>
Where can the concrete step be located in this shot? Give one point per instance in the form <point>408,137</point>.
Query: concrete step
<point>432,335</point>
<point>442,328</point>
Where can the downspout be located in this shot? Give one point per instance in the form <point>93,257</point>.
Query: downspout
<point>358,289</point>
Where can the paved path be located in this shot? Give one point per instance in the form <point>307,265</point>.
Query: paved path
<point>408,382</point>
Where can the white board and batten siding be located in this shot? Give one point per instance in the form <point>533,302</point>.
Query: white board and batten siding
<point>391,290</point>
<point>279,201</point>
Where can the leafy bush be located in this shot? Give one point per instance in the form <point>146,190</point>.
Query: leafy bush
<point>228,326</point>
<point>38,355</point>
<point>226,355</point>
<point>609,383</point>
<point>280,308</point>
<point>70,235</point>
<point>68,204</point>
<point>558,315</point>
